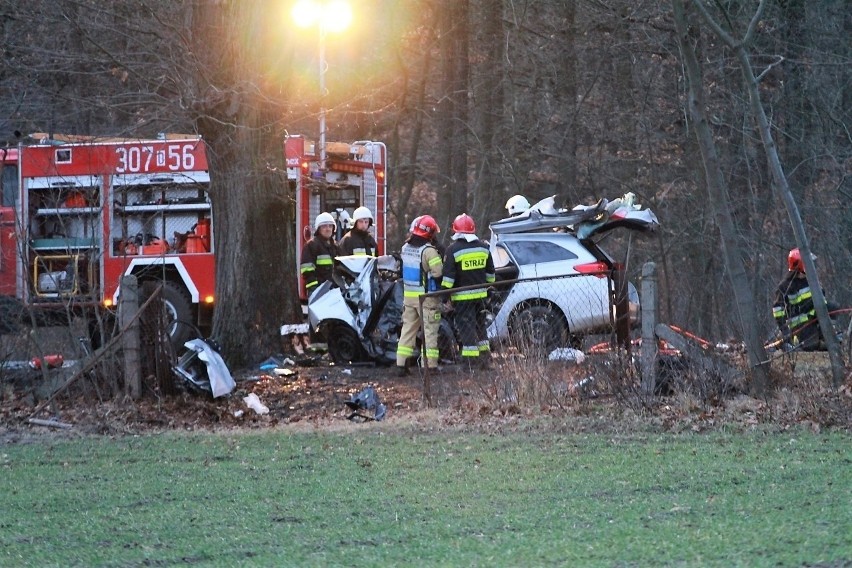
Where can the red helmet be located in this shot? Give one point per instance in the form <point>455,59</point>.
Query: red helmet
<point>425,227</point>
<point>794,260</point>
<point>464,224</point>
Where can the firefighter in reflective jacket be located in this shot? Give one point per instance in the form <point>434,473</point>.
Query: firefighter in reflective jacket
<point>793,308</point>
<point>421,273</point>
<point>318,253</point>
<point>358,240</point>
<point>468,262</point>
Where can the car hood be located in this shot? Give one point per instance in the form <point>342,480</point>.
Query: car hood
<point>583,220</point>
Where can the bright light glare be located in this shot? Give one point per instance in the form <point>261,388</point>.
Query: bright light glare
<point>334,15</point>
<point>305,13</point>
<point>337,15</point>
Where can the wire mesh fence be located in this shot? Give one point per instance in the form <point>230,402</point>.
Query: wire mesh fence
<point>545,335</point>
<point>76,350</point>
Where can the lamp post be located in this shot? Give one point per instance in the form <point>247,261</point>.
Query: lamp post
<point>328,16</point>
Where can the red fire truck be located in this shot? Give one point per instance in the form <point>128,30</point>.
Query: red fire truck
<point>353,175</point>
<point>88,211</point>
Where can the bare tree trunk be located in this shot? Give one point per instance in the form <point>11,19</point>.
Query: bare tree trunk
<point>838,370</point>
<point>452,112</point>
<point>405,164</point>
<point>729,240</point>
<point>253,220</point>
<point>486,202</point>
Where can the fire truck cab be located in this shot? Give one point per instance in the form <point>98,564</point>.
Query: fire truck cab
<point>354,174</point>
<point>89,211</point>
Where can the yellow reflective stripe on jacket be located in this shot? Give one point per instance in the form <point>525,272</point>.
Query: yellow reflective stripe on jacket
<point>465,295</point>
<point>470,351</point>
<point>324,260</point>
<point>308,266</point>
<point>801,319</point>
<point>801,296</point>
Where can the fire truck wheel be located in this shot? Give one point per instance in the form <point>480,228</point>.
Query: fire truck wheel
<point>178,314</point>
<point>344,345</point>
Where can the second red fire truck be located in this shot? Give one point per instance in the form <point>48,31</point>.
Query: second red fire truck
<point>354,174</point>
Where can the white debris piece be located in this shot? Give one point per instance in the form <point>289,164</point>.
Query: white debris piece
<point>566,354</point>
<point>254,403</point>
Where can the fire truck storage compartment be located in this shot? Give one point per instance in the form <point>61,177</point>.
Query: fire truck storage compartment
<point>170,208</point>
<point>63,228</point>
<point>66,210</point>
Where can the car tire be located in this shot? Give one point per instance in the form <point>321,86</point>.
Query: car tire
<point>539,328</point>
<point>344,345</point>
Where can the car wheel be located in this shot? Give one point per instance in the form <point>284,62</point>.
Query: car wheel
<point>344,345</point>
<point>539,328</point>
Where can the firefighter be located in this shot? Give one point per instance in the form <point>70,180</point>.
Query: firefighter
<point>516,205</point>
<point>793,307</point>
<point>358,240</point>
<point>421,273</point>
<point>318,253</point>
<point>468,262</point>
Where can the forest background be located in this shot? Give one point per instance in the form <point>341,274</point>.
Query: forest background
<point>477,100</point>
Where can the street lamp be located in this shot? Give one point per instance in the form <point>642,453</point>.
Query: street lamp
<point>328,16</point>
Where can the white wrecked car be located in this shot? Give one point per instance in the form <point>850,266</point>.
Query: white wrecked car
<point>548,313</point>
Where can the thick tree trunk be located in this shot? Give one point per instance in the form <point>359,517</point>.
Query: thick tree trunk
<point>486,192</point>
<point>729,240</point>
<point>255,268</point>
<point>452,113</point>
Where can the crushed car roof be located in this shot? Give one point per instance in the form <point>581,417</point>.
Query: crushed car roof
<point>583,220</point>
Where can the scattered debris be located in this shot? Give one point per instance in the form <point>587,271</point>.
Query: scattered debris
<point>204,368</point>
<point>366,406</point>
<point>566,354</point>
<point>253,402</point>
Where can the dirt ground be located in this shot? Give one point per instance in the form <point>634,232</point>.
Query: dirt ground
<point>312,393</point>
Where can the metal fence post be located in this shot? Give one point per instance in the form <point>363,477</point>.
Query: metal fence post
<point>128,306</point>
<point>649,323</point>
<point>622,308</point>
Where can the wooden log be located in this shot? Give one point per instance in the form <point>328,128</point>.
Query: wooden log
<point>50,423</point>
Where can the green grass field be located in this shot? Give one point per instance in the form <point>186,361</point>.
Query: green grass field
<point>383,497</point>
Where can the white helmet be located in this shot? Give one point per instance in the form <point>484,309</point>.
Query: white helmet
<point>362,213</point>
<point>324,219</point>
<point>517,204</point>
